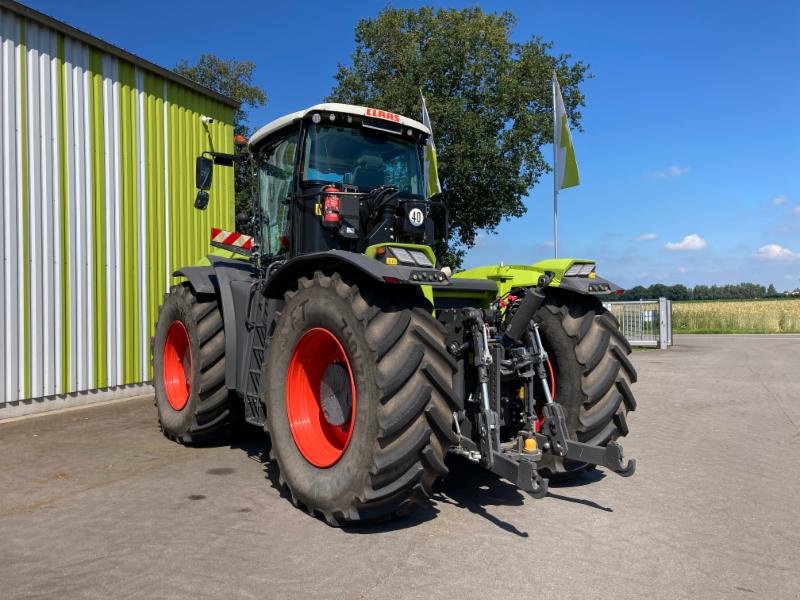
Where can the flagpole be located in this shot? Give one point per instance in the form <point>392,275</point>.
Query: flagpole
<point>555,174</point>
<point>555,223</point>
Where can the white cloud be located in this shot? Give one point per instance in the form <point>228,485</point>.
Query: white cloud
<point>682,269</point>
<point>778,200</point>
<point>776,252</point>
<point>671,171</point>
<point>689,242</point>
<point>645,237</point>
<point>796,209</point>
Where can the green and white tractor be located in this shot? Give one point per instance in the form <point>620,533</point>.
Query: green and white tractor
<point>365,362</point>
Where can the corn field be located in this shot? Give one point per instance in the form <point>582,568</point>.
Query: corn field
<point>737,316</point>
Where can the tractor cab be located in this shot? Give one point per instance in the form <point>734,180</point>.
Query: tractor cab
<point>341,177</point>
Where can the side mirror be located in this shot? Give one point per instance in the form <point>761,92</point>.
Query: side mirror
<point>204,168</point>
<point>201,200</point>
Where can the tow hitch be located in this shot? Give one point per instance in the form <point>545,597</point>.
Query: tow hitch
<point>517,461</point>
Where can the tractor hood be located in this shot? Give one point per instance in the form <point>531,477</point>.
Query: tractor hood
<point>574,274</point>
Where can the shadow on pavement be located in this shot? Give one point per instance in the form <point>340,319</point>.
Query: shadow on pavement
<point>468,486</point>
<point>473,488</point>
<point>585,477</point>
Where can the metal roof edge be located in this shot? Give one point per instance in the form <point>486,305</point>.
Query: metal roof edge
<point>48,21</point>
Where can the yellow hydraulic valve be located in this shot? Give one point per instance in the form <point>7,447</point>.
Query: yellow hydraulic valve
<point>530,445</point>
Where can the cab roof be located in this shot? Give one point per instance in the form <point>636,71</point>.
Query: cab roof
<point>350,109</point>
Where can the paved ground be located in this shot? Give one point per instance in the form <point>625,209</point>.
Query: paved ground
<point>96,504</point>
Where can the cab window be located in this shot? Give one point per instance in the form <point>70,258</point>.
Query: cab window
<point>275,186</point>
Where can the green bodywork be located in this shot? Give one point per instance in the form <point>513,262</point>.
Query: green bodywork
<point>509,277</point>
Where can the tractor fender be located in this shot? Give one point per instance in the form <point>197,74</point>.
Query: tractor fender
<point>285,277</point>
<point>584,285</point>
<point>229,280</point>
<point>202,279</point>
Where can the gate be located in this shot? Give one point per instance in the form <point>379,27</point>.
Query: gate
<point>645,323</point>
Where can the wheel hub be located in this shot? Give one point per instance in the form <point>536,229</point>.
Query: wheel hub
<point>334,393</point>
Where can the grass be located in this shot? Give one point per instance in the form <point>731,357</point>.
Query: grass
<point>737,316</point>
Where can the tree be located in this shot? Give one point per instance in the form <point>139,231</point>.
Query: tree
<point>489,98</point>
<point>232,78</point>
<point>771,291</point>
<point>229,77</point>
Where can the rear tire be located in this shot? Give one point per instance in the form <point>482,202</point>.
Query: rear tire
<point>189,368</point>
<point>391,451</point>
<point>593,372</point>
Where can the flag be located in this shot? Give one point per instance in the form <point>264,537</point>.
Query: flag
<point>566,168</point>
<point>431,164</point>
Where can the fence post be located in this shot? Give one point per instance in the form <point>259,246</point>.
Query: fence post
<point>663,320</point>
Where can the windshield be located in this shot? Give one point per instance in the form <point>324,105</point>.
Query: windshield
<point>363,158</point>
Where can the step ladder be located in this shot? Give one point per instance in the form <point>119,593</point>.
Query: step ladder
<point>256,327</point>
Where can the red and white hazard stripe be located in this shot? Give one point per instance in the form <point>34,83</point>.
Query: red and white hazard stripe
<point>231,239</point>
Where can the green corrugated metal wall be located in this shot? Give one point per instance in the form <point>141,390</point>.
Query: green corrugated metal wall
<point>97,179</point>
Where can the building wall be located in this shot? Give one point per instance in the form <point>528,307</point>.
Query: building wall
<point>97,179</point>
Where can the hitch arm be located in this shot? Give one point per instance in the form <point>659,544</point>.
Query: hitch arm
<point>554,434</point>
<point>609,457</point>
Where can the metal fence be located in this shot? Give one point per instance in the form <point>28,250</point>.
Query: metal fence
<point>645,322</point>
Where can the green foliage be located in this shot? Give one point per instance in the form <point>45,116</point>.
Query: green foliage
<point>232,78</point>
<point>229,77</point>
<point>489,99</point>
<point>741,291</point>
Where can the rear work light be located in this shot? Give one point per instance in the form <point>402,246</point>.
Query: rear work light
<point>580,270</point>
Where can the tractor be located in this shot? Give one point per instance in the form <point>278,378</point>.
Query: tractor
<point>332,326</point>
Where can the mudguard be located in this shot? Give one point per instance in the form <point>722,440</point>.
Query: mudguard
<point>338,260</point>
<point>229,280</point>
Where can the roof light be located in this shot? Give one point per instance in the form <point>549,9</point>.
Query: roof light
<point>316,118</point>
<point>332,117</point>
<point>587,268</point>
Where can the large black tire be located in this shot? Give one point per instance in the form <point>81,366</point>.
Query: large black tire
<point>206,411</point>
<point>402,420</point>
<point>593,372</point>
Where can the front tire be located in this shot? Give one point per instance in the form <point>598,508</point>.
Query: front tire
<point>359,400</point>
<point>189,367</point>
<point>593,373</point>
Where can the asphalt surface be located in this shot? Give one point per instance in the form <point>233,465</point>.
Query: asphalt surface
<point>95,503</point>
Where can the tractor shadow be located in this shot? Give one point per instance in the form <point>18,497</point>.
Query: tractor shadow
<point>471,487</point>
<point>468,486</point>
<point>256,444</point>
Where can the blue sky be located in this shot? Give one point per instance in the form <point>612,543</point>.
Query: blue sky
<point>690,154</point>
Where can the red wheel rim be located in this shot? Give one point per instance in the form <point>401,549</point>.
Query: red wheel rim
<point>551,371</point>
<point>177,366</point>
<point>318,353</point>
